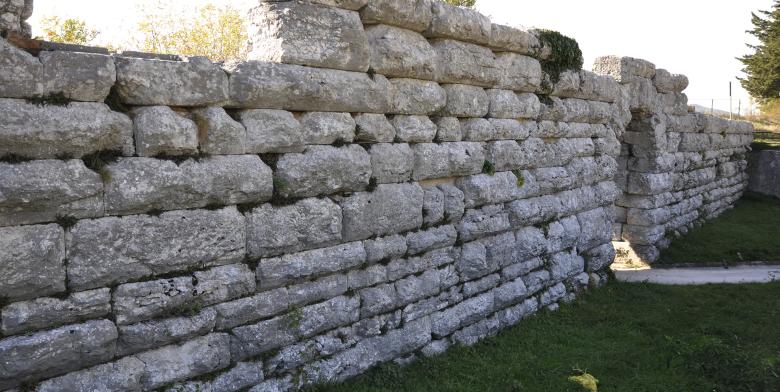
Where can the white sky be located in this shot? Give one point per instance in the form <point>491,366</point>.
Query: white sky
<point>698,38</point>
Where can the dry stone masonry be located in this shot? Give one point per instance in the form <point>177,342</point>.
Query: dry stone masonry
<point>382,180</point>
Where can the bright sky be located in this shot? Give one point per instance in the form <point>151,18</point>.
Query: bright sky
<point>698,38</point>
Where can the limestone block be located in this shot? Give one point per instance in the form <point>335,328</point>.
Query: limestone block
<point>512,129</point>
<point>327,127</point>
<point>513,39</point>
<point>438,237</point>
<point>448,129</point>
<point>477,130</point>
<point>643,235</point>
<point>124,374</point>
<point>40,191</point>
<point>450,21</point>
<point>465,101</point>
<point>508,154</point>
<point>663,81</point>
<point>322,170</point>
<point>517,72</point>
<point>467,312</point>
<point>110,250</point>
<point>138,185</point>
<point>48,312</point>
<point>444,160</point>
<point>479,286</point>
<point>506,104</point>
<point>433,206</point>
<point>307,224</point>
<point>411,96</point>
<point>378,300</point>
<point>391,162</point>
<point>218,133</point>
<point>465,63</point>
<point>564,265</point>
<point>180,362</point>
<point>414,288</point>
<point>280,271</point>
<point>370,276</point>
<point>20,72</point>
<point>484,221</point>
<point>195,82</point>
<point>283,86</point>
<point>345,4</point>
<point>161,332</point>
<point>302,33</point>
<point>650,183</point>
<point>624,69</point>
<point>33,263</point>
<point>586,85</point>
<point>161,131</point>
<point>373,128</point>
<point>250,309</point>
<point>485,189</point>
<point>414,129</point>
<point>413,15</point>
<point>401,53</point>
<point>75,130</point>
<point>271,131</point>
<point>399,268</point>
<point>679,82</point>
<point>387,210</point>
<point>78,76</point>
<point>317,290</point>
<point>385,248</point>
<point>54,352</point>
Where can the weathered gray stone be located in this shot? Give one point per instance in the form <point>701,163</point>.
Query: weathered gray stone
<point>157,333</point>
<point>280,271</point>
<point>433,206</point>
<point>599,257</point>
<point>472,334</point>
<point>378,300</point>
<point>415,288</point>
<point>465,101</point>
<point>293,87</point>
<point>391,162</point>
<point>248,309</point>
<point>398,268</point>
<point>411,96</point>
<point>448,129</point>
<point>20,72</point>
<point>317,290</point>
<point>373,128</point>
<point>481,285</point>
<point>624,69</point>
<point>484,221</point>
<point>161,131</point>
<point>485,189</point>
<point>323,170</point>
<point>218,133</point>
<point>477,130</point>
<point>33,263</point>
<point>467,312</point>
<point>453,202</point>
<point>474,263</point>
<point>271,131</point>
<point>138,185</point>
<point>78,76</point>
<point>387,210</point>
<point>512,315</point>
<point>307,224</point>
<point>437,237</point>
<point>133,302</point>
<point>461,62</point>
<point>110,250</point>
<point>46,312</point>
<point>52,353</point>
<point>597,227</point>
<point>75,130</point>
<point>400,53</point>
<point>444,160</point>
<point>530,242</point>
<point>122,375</point>
<point>385,248</point>
<point>512,129</point>
<point>414,129</point>
<point>327,127</point>
<point>450,21</point>
<point>196,82</point>
<point>180,362</point>
<point>564,265</point>
<point>517,72</point>
<point>411,15</point>
<point>513,39</point>
<point>308,34</point>
<point>40,191</point>
<point>763,169</point>
<point>370,276</point>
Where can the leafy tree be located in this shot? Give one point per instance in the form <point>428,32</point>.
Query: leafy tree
<point>215,32</point>
<point>68,31</point>
<point>462,3</point>
<point>763,66</point>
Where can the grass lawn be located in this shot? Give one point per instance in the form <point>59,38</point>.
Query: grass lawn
<point>748,232</point>
<point>631,337</point>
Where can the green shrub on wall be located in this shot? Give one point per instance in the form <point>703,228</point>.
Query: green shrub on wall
<point>565,54</point>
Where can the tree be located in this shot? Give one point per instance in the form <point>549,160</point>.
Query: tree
<point>462,3</point>
<point>763,66</point>
<point>68,31</point>
<point>217,33</point>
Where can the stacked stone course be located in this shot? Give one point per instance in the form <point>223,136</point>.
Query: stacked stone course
<point>381,181</point>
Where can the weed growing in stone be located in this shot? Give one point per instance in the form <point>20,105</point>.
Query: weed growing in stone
<point>54,99</point>
<point>488,168</point>
<point>565,54</point>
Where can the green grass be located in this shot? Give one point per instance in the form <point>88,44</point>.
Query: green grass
<point>631,337</point>
<point>748,232</point>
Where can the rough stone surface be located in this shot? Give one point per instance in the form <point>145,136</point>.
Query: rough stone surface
<point>763,173</point>
<point>79,76</point>
<point>218,133</point>
<point>280,271</point>
<point>20,73</point>
<point>48,312</point>
<point>450,21</point>
<point>373,128</point>
<point>401,53</point>
<point>327,127</point>
<point>32,264</point>
<point>465,63</point>
<point>158,130</point>
<point>391,162</point>
<point>465,101</point>
<point>389,209</point>
<point>411,96</point>
<point>412,15</point>
<point>271,131</point>
<point>193,358</point>
<point>414,129</point>
<point>323,170</point>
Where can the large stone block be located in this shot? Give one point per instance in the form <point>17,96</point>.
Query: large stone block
<point>387,210</point>
<point>373,128</point>
<point>484,221</point>
<point>75,130</point>
<point>40,191</point>
<point>307,224</point>
<point>180,362</point>
<point>138,185</point>
<point>52,353</point>
<point>272,131</point>
<point>32,263</point>
<point>161,131</point>
<point>218,133</point>
<point>517,72</point>
<point>196,82</point>
<point>327,127</point>
<point>467,312</point>
<point>411,14</point>
<point>465,63</point>
<point>249,309</point>
<point>122,375</point>
<point>323,170</point>
<point>411,96</point>
<point>624,69</point>
<point>450,21</point>
<point>442,160</point>
<point>280,271</point>
<point>20,72</point>
<point>391,162</point>
<point>78,76</point>
<point>414,129</point>
<point>485,189</point>
<point>302,33</point>
<point>401,53</point>
<point>465,101</point>
<point>513,39</point>
<point>161,332</point>
<point>110,250</point>
<point>48,312</point>
<point>293,87</point>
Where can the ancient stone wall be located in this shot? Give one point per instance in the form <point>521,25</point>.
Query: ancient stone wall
<point>764,172</point>
<point>383,179</point>
<point>677,169</point>
<point>14,15</point>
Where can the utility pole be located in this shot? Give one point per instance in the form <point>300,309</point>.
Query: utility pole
<point>730,115</point>
<point>712,107</point>
<point>739,108</point>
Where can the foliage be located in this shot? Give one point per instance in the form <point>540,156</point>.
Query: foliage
<point>488,168</point>
<point>585,380</point>
<point>68,31</point>
<point>763,66</point>
<point>462,3</point>
<point>635,337</point>
<point>565,54</point>
<point>215,32</point>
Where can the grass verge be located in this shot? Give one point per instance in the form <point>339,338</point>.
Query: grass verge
<point>748,232</point>
<point>631,337</point>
